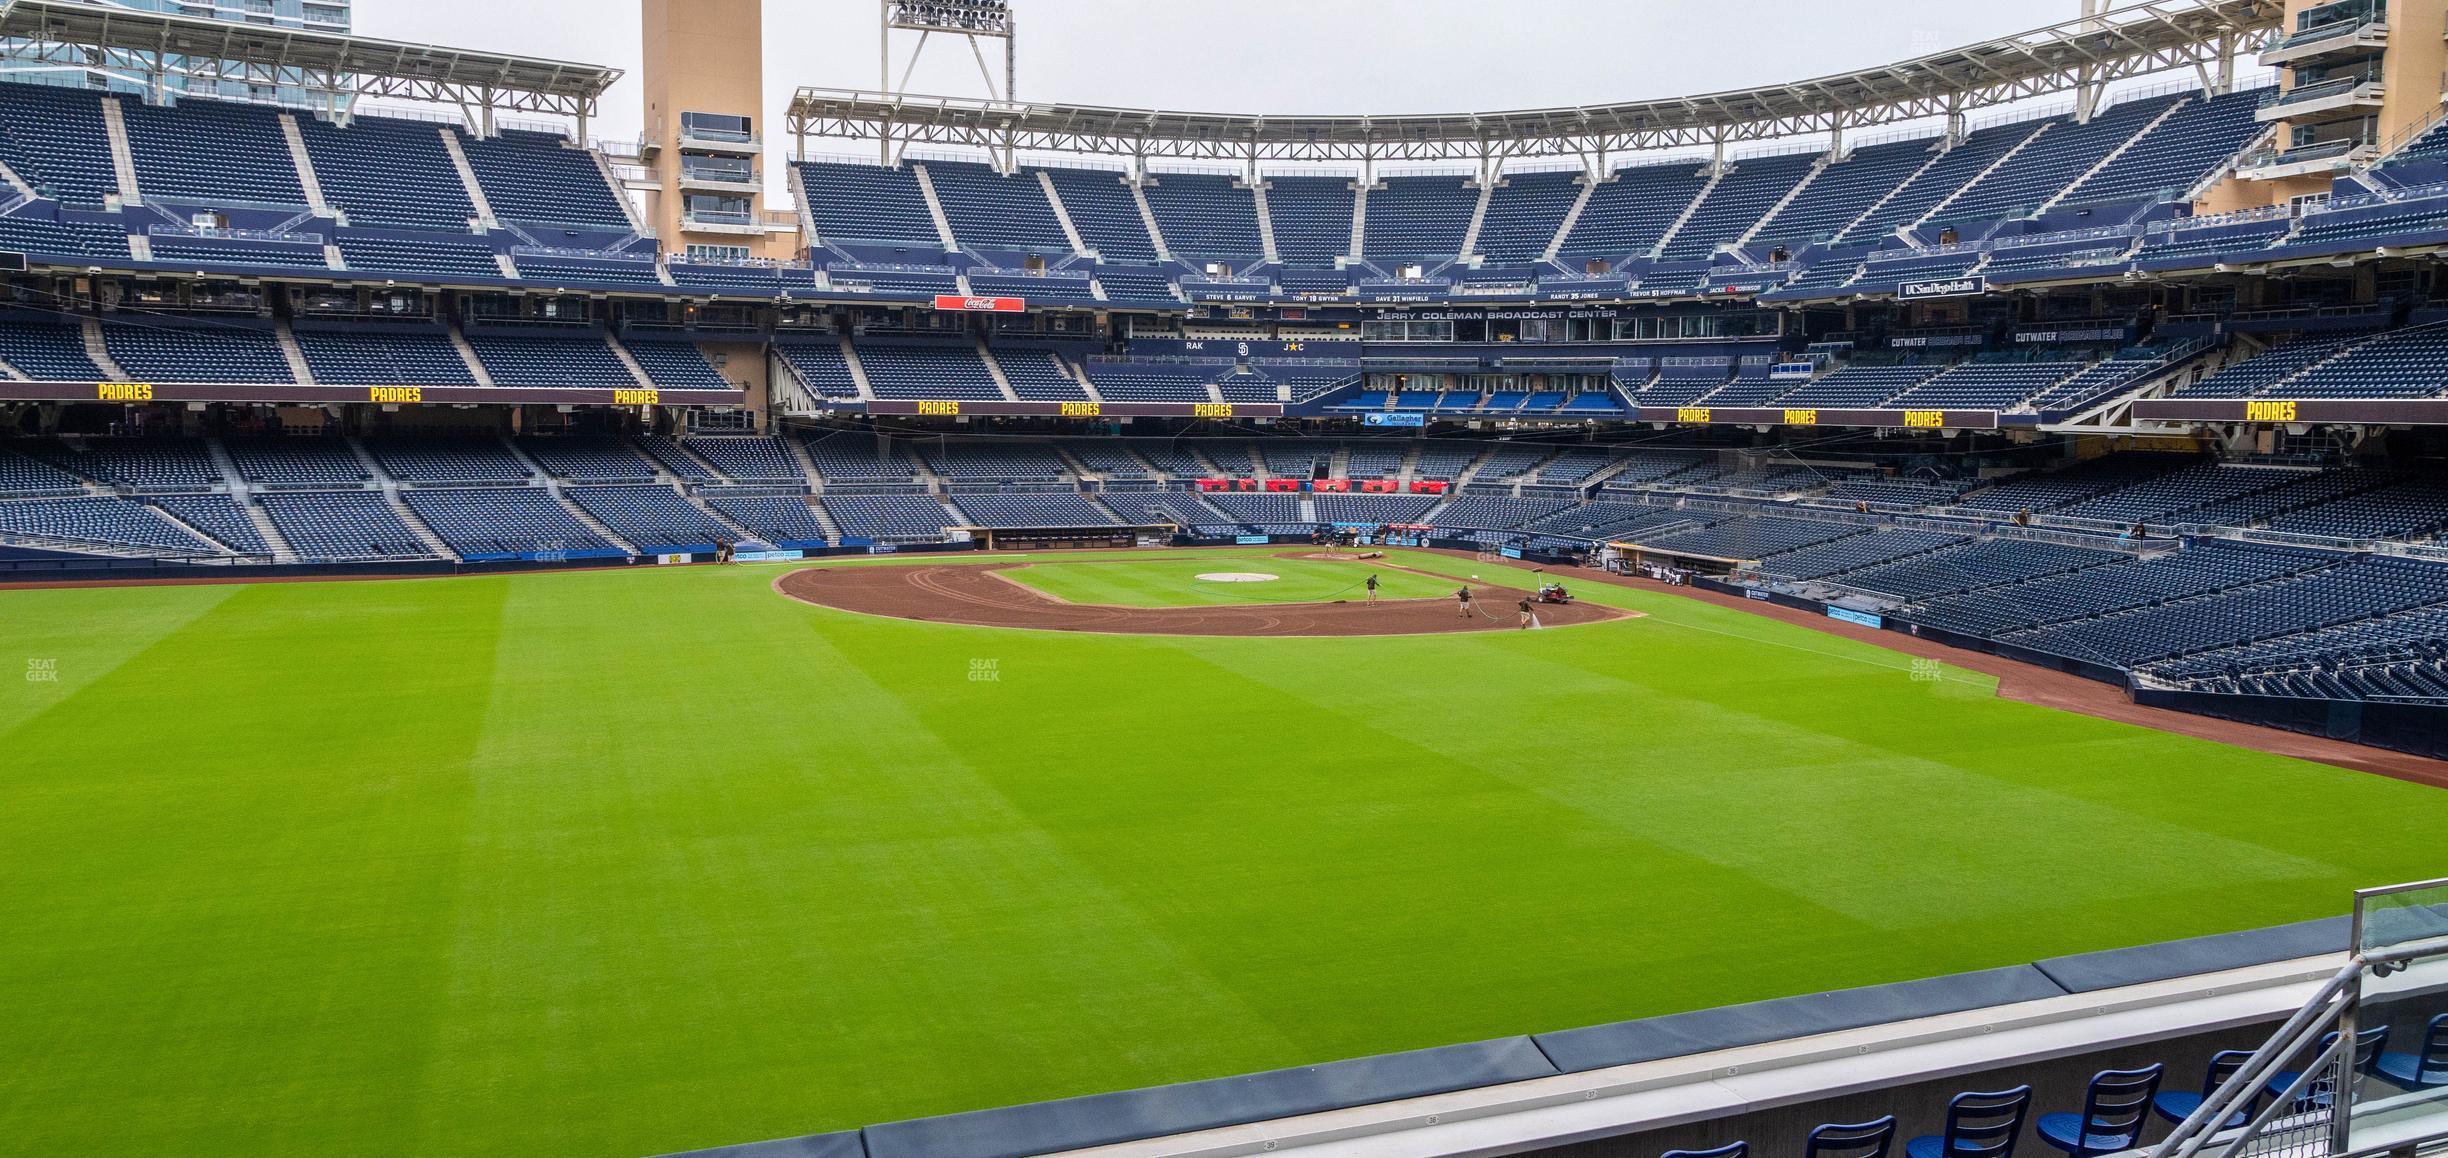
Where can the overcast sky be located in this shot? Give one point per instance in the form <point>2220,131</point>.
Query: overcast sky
<point>1279,56</point>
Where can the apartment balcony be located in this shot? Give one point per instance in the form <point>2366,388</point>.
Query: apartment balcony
<point>720,183</point>
<point>703,140</point>
<point>2321,157</point>
<point>2341,39</point>
<point>2329,100</point>
<point>748,224</point>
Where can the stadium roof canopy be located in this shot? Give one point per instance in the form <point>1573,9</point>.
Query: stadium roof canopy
<point>2082,55</point>
<point>329,61</point>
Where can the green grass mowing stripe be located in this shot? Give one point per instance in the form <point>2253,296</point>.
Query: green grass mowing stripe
<point>1173,581</point>
<point>686,862</point>
<point>225,868</point>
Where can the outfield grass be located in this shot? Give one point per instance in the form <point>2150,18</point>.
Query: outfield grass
<point>1173,580</point>
<point>618,863</point>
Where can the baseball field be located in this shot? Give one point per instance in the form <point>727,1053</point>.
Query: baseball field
<point>626,862</point>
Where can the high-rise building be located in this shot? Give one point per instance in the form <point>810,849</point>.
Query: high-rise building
<point>84,67</point>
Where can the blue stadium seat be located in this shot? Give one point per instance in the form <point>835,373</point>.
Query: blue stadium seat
<point>2116,1107</point>
<point>2424,1069</point>
<point>1871,1139</point>
<point>2177,1105</point>
<point>1978,1125</point>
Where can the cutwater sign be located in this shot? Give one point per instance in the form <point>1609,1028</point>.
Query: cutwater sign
<point>1954,287</point>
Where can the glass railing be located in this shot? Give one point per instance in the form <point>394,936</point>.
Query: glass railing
<point>2400,1097</point>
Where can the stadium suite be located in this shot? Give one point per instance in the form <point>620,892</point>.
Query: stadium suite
<point>1899,612</point>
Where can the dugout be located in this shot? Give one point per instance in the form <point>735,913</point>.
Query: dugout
<point>1104,538</point>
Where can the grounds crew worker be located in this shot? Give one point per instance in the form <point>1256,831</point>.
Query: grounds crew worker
<point>1528,617</point>
<point>1463,597</point>
<point>1372,586</point>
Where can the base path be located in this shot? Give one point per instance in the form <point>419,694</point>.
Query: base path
<point>977,595</point>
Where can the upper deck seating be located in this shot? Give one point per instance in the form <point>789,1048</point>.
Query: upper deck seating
<point>1419,217</point>
<point>2170,159</point>
<point>388,173</point>
<point>1312,218</point>
<point>1101,207</point>
<point>990,211</point>
<point>1205,217</point>
<point>1940,179</point>
<point>211,151</point>
<point>1741,198</point>
<point>867,203</point>
<point>1845,190</point>
<point>540,178</point>
<point>1523,215</point>
<point>1627,215</point>
<point>2052,161</point>
<point>55,139</point>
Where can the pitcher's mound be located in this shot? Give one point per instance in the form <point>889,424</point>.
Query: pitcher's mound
<point>973,594</point>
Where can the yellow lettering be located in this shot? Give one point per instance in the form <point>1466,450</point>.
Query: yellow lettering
<point>1801,418</point>
<point>1693,414</point>
<point>939,407</point>
<point>1211,409</point>
<point>636,397</point>
<point>2269,412</point>
<point>1081,410</point>
<point>124,391</point>
<point>396,393</point>
<point>1925,419</point>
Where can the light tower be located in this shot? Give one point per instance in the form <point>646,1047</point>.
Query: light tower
<point>975,21</point>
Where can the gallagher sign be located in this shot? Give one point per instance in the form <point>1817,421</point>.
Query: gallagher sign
<point>982,305</point>
<point>1954,287</point>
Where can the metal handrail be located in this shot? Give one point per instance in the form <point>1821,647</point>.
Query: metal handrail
<point>2199,1128</point>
